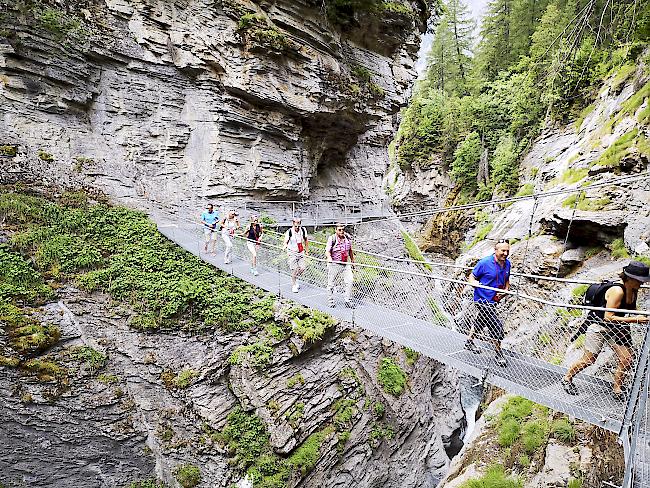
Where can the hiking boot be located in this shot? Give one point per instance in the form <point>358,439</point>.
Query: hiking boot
<point>295,288</point>
<point>569,387</point>
<point>500,359</point>
<point>255,272</point>
<point>470,346</point>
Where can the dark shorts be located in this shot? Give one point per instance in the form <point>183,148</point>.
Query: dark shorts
<point>487,319</point>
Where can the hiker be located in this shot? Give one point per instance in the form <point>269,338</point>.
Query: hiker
<point>612,327</point>
<point>229,226</point>
<point>297,246</point>
<point>492,271</point>
<point>340,260</point>
<point>209,219</point>
<point>253,237</point>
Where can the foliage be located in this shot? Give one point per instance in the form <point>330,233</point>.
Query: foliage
<point>258,354</point>
<point>148,483</point>
<point>505,167</point>
<point>583,203</point>
<point>94,359</point>
<point>464,168</point>
<point>614,153</point>
<point>391,377</point>
<point>575,483</point>
<point>380,432</point>
<point>495,477</point>
<point>580,290</point>
<point>120,252</point>
<point>310,325</point>
<point>414,251</point>
<point>188,475</point>
<point>533,435</point>
<point>618,249</point>
<point>525,190</point>
<point>411,355</point>
<point>563,430</point>
<point>6,150</point>
<point>19,281</point>
<point>378,409</point>
<point>185,378</point>
<point>246,437</point>
<point>481,233</point>
<point>295,379</point>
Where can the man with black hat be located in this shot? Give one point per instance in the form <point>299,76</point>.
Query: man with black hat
<point>613,327</point>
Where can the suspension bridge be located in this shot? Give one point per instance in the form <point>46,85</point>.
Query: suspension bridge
<point>428,307</point>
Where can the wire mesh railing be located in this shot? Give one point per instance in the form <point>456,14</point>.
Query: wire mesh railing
<point>433,313</point>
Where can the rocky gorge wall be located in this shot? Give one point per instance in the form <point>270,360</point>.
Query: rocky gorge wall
<point>173,101</point>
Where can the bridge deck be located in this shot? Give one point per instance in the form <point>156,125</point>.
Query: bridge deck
<point>527,376</point>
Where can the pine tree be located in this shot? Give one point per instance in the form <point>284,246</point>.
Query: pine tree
<point>495,49</point>
<point>449,57</point>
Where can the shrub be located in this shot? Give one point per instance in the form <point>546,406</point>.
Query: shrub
<point>185,378</point>
<point>505,166</point>
<point>508,432</point>
<point>188,475</point>
<point>246,437</point>
<point>94,359</point>
<point>295,379</point>
<point>494,478</point>
<point>414,251</point>
<point>310,325</point>
<point>391,377</point>
<point>618,249</point>
<point>258,354</point>
<point>580,290</point>
<point>563,430</point>
<point>533,435</point>
<point>464,168</point>
<point>411,355</point>
<point>525,190</point>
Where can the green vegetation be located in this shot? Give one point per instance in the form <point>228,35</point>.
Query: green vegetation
<point>378,409</point>
<point>584,113</point>
<point>120,252</point>
<point>574,483</point>
<point>93,359</point>
<point>310,325</point>
<point>60,23</point>
<point>258,355</point>
<point>495,477</point>
<point>260,31</point>
<point>563,430</point>
<point>185,378</point>
<point>247,441</point>
<point>414,251</point>
<point>618,249</point>
<point>481,233</point>
<point>411,355</point>
<point>536,63</point>
<point>525,190</point>
<point>344,13</point>
<point>148,483</point>
<point>45,156</point>
<point>583,203</point>
<point>345,411</point>
<point>107,379</point>
<point>295,379</point>
<point>391,377</point>
<point>614,153</point>
<point>570,176</point>
<point>579,291</point>
<point>379,433</point>
<point>9,151</point>
<point>188,475</point>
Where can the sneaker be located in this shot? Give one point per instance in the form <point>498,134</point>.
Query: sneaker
<point>226,261</point>
<point>500,359</point>
<point>470,346</point>
<point>569,387</point>
<point>255,272</point>
<point>295,288</point>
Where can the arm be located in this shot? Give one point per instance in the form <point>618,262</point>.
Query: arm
<point>328,253</point>
<point>614,297</point>
<point>472,280</point>
<point>351,255</point>
<point>306,243</point>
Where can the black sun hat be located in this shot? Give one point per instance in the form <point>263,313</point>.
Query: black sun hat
<point>637,271</point>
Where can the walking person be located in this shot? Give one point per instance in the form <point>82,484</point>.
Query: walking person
<point>253,237</point>
<point>340,260</point>
<point>209,219</point>
<point>613,327</point>
<point>492,271</point>
<point>297,246</point>
<point>229,226</point>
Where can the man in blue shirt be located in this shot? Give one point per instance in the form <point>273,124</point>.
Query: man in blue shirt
<point>493,271</point>
<point>209,219</point>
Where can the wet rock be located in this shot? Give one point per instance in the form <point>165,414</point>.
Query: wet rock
<point>586,227</point>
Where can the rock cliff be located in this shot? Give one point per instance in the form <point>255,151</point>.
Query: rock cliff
<point>169,101</point>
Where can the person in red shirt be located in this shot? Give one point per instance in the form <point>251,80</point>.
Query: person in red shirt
<point>340,260</point>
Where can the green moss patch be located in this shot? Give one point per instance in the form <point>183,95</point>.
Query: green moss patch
<point>621,147</point>
<point>391,377</point>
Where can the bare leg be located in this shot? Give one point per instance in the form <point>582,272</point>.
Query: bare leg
<point>585,361</point>
<point>624,355</point>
